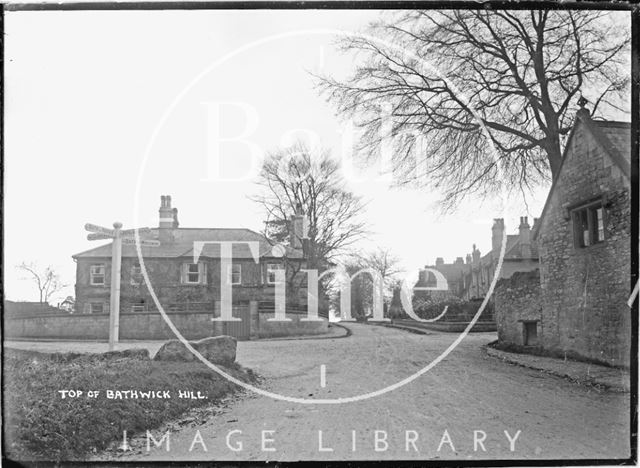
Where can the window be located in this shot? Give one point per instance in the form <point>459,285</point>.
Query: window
<point>530,333</point>
<point>588,225</point>
<point>137,308</point>
<point>97,275</point>
<point>271,272</point>
<point>96,308</point>
<point>136,274</point>
<point>194,273</point>
<point>236,274</point>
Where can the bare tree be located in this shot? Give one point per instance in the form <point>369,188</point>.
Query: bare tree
<point>293,179</point>
<point>362,287</point>
<point>47,281</point>
<point>446,74</point>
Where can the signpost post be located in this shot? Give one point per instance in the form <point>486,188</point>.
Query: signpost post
<point>114,312</point>
<point>119,237</point>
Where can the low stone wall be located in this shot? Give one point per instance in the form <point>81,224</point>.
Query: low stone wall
<point>517,300</point>
<point>261,327</point>
<point>133,326</point>
<point>151,325</point>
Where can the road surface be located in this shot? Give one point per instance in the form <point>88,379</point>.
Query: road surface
<point>467,396</point>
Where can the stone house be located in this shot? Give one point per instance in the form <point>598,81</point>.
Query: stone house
<point>471,279</point>
<point>520,255</point>
<point>576,305</point>
<point>181,284</point>
<point>453,273</point>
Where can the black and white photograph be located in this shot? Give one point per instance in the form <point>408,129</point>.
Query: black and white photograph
<point>335,232</point>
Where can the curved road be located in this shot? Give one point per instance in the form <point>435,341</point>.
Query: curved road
<point>468,391</point>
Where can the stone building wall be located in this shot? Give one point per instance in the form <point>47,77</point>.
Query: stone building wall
<point>165,275</point>
<point>584,290</point>
<point>517,301</point>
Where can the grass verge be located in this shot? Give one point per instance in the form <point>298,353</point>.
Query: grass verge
<point>40,425</point>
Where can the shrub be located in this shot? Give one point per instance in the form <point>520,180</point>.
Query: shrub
<point>458,309</point>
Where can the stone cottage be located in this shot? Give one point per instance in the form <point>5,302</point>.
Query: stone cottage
<point>181,284</point>
<point>471,279</point>
<point>576,305</point>
<point>520,255</point>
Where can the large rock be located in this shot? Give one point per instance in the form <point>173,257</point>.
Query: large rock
<point>217,350</point>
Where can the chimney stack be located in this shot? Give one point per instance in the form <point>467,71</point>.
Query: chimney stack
<point>439,262</point>
<point>476,255</point>
<point>497,232</point>
<point>168,219</point>
<point>459,261</point>
<point>468,259</point>
<point>174,213</point>
<point>525,237</point>
<point>298,229</point>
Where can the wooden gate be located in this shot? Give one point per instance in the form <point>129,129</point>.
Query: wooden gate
<point>240,330</point>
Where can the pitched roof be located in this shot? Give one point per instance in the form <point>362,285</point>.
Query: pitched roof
<point>182,246</point>
<point>613,136</point>
<point>512,251</point>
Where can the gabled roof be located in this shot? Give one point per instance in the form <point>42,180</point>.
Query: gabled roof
<point>615,139</point>
<point>182,246</point>
<point>511,251</point>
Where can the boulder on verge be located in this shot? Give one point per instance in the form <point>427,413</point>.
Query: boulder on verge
<point>216,349</point>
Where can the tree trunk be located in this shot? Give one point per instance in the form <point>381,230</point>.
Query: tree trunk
<point>554,157</point>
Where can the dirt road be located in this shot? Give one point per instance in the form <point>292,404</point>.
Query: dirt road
<point>468,391</point>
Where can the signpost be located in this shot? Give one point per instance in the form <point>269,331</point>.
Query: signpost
<point>119,237</point>
<point>144,242</point>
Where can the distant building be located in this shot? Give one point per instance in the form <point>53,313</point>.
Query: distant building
<point>181,284</point>
<point>471,279</point>
<point>454,274</point>
<point>521,254</point>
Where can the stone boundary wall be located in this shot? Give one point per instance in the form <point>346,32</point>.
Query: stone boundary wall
<point>261,327</point>
<point>133,326</point>
<point>517,299</point>
<point>151,326</point>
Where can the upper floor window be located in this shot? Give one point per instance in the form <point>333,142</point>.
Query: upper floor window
<point>97,275</point>
<point>194,273</point>
<point>588,225</point>
<point>235,273</point>
<point>136,274</point>
<point>271,272</point>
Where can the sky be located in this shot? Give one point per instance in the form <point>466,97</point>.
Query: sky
<point>106,111</point>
